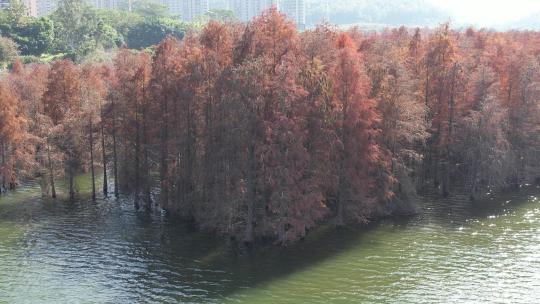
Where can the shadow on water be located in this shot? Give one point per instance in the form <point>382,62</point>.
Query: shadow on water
<point>136,256</point>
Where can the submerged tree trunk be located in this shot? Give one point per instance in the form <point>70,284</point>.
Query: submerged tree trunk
<point>104,161</point>
<point>448,152</point>
<point>340,216</point>
<point>3,185</point>
<point>445,186</point>
<point>146,168</point>
<point>344,137</point>
<point>51,173</point>
<point>147,196</point>
<point>71,177</point>
<point>250,217</point>
<point>340,200</point>
<point>137,165</point>
<point>163,167</point>
<point>115,155</point>
<point>92,161</point>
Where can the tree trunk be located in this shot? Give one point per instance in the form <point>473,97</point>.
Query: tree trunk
<point>448,156</point>
<point>445,187</point>
<point>104,160</point>
<point>250,218</point>
<point>115,155</point>
<point>147,196</point>
<point>137,162</point>
<point>189,167</point>
<point>92,161</point>
<point>474,184</point>
<point>340,216</point>
<point>3,152</point>
<point>71,182</point>
<point>344,136</point>
<point>163,168</point>
<point>146,168</point>
<point>51,173</point>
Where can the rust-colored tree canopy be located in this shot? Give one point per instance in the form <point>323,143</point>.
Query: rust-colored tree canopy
<point>258,131</point>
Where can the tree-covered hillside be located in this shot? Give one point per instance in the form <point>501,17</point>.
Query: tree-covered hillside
<point>387,12</point>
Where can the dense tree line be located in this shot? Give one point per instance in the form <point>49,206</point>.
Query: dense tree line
<point>260,132</point>
<point>76,30</point>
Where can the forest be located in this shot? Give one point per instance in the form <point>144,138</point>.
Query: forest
<point>259,132</point>
<point>80,32</point>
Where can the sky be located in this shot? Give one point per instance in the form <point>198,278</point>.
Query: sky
<point>489,12</point>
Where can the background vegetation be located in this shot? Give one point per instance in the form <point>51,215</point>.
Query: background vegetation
<point>76,30</point>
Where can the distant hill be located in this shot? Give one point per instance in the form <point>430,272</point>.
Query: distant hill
<point>385,12</point>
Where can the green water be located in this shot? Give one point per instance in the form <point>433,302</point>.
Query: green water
<point>105,252</point>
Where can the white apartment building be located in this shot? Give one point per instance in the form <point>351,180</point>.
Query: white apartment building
<point>106,4</point>
<point>296,11</point>
<point>191,9</point>
<point>219,4</point>
<point>245,10</point>
<point>175,6</point>
<point>31,5</point>
<point>45,7</point>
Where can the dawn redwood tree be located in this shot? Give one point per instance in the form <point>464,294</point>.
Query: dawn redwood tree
<point>295,202</point>
<point>133,77</point>
<point>188,124</point>
<point>165,68</point>
<point>106,73</point>
<point>29,83</point>
<point>322,139</point>
<point>62,104</point>
<point>242,133</point>
<point>32,83</point>
<point>15,152</point>
<point>403,125</point>
<point>524,122</point>
<point>282,200</point>
<point>181,82</point>
<point>481,141</point>
<point>214,177</point>
<point>93,92</point>
<point>359,153</point>
<point>443,85</point>
<point>110,122</point>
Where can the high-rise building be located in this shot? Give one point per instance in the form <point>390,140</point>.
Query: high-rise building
<point>191,9</point>
<point>105,4</point>
<point>31,6</point>
<point>219,4</point>
<point>45,7</point>
<point>245,10</point>
<point>296,11</point>
<point>174,6</point>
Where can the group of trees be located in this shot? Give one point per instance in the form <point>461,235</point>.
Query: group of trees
<point>77,29</point>
<point>260,132</point>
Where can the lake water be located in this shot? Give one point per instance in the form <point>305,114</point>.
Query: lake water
<point>105,252</point>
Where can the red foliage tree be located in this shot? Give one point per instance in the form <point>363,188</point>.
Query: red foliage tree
<point>14,155</point>
<point>62,104</point>
<point>356,117</point>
